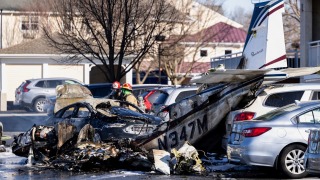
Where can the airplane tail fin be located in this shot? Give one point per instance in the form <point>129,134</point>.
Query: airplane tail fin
<point>265,46</point>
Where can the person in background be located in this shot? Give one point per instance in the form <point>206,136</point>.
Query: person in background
<point>126,91</point>
<point>116,91</point>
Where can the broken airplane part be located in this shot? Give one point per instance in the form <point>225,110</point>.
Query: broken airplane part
<point>194,117</point>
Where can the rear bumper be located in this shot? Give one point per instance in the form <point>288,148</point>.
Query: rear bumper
<point>257,155</point>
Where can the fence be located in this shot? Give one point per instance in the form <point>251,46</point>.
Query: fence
<point>314,54</point>
<point>231,61</point>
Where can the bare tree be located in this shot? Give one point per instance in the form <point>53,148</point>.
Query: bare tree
<point>292,23</point>
<point>179,53</point>
<point>107,32</point>
<point>241,16</point>
<point>215,5</point>
<point>183,55</point>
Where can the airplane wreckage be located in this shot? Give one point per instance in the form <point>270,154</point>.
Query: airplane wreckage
<point>88,133</point>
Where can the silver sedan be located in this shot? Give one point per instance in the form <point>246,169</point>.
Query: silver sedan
<point>276,139</point>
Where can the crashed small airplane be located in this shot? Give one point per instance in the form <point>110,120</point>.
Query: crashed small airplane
<point>195,118</point>
<point>191,120</point>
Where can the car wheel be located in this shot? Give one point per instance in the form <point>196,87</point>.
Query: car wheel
<point>291,161</point>
<point>39,104</point>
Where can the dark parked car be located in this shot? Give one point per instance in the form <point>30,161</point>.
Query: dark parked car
<point>100,90</point>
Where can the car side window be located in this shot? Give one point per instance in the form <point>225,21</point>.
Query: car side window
<point>316,114</point>
<point>137,92</point>
<point>306,118</point>
<point>284,98</point>
<point>68,112</point>
<point>53,83</point>
<point>310,117</point>
<point>315,95</point>
<point>185,94</point>
<point>83,112</point>
<point>40,84</point>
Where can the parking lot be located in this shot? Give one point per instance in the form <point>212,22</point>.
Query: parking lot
<point>18,121</point>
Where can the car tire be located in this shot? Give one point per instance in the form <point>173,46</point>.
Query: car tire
<point>291,161</point>
<point>38,105</point>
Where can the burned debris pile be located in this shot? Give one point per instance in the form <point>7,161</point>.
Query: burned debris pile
<point>73,151</point>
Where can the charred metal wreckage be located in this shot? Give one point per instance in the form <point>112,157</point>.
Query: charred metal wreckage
<point>92,134</point>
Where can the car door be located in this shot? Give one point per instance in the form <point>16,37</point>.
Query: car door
<point>39,89</point>
<point>65,113</point>
<point>50,88</point>
<point>308,120</point>
<point>76,114</point>
<point>80,116</point>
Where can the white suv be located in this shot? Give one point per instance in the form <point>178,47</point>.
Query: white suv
<point>31,94</point>
<point>271,97</point>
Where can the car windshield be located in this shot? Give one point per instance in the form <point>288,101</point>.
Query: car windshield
<point>278,112</point>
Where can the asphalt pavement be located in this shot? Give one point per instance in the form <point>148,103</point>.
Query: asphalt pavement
<point>17,121</point>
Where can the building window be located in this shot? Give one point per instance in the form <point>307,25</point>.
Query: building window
<point>29,23</point>
<point>29,26</point>
<point>203,53</point>
<point>227,52</point>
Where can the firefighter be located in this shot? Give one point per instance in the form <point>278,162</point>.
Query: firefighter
<point>126,91</point>
<point>116,91</point>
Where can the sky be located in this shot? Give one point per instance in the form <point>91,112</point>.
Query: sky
<point>231,5</point>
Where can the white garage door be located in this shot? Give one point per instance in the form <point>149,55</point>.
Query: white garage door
<point>16,74</point>
<point>70,71</point>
